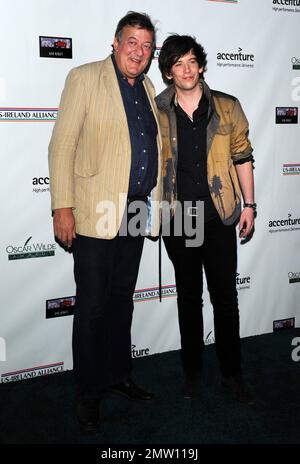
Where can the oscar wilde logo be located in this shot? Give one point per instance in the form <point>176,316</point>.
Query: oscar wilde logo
<point>237,59</point>
<point>295,62</point>
<point>209,339</point>
<point>294,277</point>
<point>30,250</point>
<point>15,114</point>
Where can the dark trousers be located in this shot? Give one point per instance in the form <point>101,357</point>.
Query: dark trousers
<point>105,274</point>
<point>218,257</point>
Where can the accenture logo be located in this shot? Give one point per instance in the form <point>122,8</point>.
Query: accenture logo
<point>242,283</point>
<point>140,352</point>
<point>286,2</point>
<point>237,59</point>
<point>284,225</point>
<point>40,184</point>
<point>282,4</point>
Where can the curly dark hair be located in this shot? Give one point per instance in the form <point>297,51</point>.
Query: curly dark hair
<point>174,47</point>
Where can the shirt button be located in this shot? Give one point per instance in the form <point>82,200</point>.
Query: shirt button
<point>143,167</point>
<point>136,102</point>
<point>196,147</point>
<point>194,128</point>
<point>139,183</point>
<point>198,165</point>
<point>139,117</point>
<point>144,151</point>
<point>142,133</point>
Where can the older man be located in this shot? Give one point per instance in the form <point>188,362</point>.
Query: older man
<point>103,155</point>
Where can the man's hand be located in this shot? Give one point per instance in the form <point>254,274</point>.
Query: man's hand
<point>246,222</point>
<point>64,226</point>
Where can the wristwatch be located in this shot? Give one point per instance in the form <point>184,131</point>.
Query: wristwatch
<point>250,205</point>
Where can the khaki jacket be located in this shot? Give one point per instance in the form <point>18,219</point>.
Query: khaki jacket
<point>90,151</point>
<point>227,143</point>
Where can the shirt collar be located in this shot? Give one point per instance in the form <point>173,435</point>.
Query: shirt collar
<point>175,97</point>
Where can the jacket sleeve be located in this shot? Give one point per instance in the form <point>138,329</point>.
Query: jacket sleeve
<point>64,140</point>
<point>241,148</point>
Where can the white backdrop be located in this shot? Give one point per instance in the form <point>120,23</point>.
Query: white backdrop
<point>35,270</point>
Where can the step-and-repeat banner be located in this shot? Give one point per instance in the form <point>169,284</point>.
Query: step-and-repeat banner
<point>253,53</point>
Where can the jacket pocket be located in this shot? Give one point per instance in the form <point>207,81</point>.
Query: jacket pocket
<point>221,157</point>
<point>221,141</point>
<point>85,171</point>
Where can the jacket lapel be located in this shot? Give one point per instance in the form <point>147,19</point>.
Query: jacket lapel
<point>213,117</point>
<point>112,88</point>
<point>151,99</point>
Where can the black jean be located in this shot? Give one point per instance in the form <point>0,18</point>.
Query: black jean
<point>105,274</point>
<point>218,257</point>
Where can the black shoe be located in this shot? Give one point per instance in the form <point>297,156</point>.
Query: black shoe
<point>191,387</point>
<point>131,391</point>
<point>236,386</point>
<point>87,412</point>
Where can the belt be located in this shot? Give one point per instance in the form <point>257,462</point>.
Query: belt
<point>192,211</point>
<point>136,198</point>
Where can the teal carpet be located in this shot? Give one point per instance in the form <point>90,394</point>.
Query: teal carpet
<point>41,411</point>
